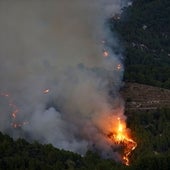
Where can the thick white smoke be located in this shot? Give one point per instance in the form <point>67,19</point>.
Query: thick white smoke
<point>57,44</point>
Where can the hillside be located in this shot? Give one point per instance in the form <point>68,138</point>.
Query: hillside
<point>145,97</point>
<point>150,131</point>
<point>144,32</point>
<point>144,29</point>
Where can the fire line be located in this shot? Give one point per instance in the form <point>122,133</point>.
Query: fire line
<point>121,137</point>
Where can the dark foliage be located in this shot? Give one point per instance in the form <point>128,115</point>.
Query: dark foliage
<point>151,131</point>
<point>19,155</point>
<point>144,28</point>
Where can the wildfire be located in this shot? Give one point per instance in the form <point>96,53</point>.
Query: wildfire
<point>122,137</point>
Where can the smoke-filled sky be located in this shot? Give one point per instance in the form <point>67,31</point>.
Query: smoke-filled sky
<point>58,45</point>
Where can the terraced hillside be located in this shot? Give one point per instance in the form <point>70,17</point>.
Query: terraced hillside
<point>145,97</point>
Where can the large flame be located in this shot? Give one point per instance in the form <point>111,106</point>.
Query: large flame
<point>119,134</point>
<point>121,137</point>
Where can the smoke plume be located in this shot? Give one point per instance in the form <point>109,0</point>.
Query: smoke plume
<point>58,45</point>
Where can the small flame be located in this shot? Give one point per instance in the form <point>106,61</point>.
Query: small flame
<point>105,53</point>
<point>119,66</point>
<point>19,125</point>
<point>14,113</point>
<point>46,91</point>
<point>121,137</point>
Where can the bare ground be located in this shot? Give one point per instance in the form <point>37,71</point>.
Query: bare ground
<point>145,97</point>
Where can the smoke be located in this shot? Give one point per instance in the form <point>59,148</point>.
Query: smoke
<point>58,45</point>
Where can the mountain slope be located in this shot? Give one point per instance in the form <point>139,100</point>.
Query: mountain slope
<point>144,28</point>
<point>145,97</point>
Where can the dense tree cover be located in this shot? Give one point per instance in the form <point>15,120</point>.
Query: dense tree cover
<point>144,28</point>
<point>21,155</point>
<point>150,130</point>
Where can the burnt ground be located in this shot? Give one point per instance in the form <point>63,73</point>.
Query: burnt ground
<point>145,97</point>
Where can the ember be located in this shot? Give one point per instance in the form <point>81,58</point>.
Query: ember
<point>14,111</point>
<point>46,91</point>
<point>105,54</point>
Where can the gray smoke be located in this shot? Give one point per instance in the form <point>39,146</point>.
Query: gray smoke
<point>57,45</point>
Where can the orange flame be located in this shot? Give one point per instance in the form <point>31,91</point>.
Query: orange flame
<point>122,137</point>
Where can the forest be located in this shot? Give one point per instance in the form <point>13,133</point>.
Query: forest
<point>150,130</point>
<point>143,29</point>
<point>144,32</point>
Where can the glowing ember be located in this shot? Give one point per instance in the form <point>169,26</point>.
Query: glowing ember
<point>46,91</point>
<point>105,54</point>
<point>119,67</point>
<point>14,112</point>
<point>18,125</point>
<point>122,137</point>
